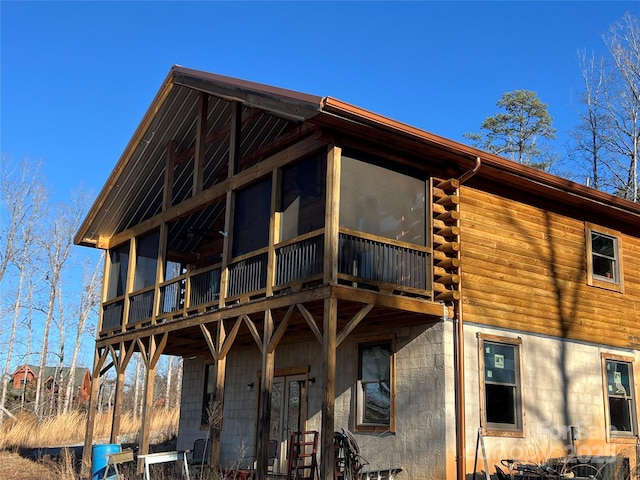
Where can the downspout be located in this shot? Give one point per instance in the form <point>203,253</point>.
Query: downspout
<point>458,361</point>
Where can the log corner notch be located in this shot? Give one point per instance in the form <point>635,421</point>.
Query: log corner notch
<point>446,239</point>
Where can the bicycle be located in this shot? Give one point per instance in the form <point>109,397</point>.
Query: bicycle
<point>544,472</point>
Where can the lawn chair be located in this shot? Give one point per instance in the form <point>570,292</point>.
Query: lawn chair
<point>199,454</point>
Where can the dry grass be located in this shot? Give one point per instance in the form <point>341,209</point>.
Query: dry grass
<point>69,429</point>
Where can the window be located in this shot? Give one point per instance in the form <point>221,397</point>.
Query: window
<point>146,260</point>
<point>501,397</point>
<point>603,259</point>
<point>382,202</point>
<point>251,217</point>
<point>119,258</point>
<point>375,386</point>
<point>302,197</point>
<point>620,396</point>
<point>209,393</point>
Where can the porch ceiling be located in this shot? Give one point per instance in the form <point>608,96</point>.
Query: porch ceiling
<point>134,191</point>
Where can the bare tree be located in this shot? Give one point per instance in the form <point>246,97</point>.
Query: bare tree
<point>89,299</point>
<point>588,145</point>
<point>17,209</point>
<point>57,246</point>
<point>623,104</point>
<point>167,390</point>
<point>18,234</point>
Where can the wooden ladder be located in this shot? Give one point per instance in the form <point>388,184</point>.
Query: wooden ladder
<point>303,461</point>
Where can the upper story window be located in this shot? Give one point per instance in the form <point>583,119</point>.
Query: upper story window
<point>620,396</point>
<point>302,197</point>
<point>146,260</point>
<point>604,265</point>
<point>382,202</point>
<point>375,386</point>
<point>501,386</point>
<point>118,270</point>
<point>251,217</point>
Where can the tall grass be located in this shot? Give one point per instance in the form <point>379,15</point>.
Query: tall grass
<point>70,428</point>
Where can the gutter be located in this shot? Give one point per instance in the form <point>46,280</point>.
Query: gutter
<point>458,361</point>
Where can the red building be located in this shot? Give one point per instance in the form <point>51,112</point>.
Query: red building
<point>25,376</point>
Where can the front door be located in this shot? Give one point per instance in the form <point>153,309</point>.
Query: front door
<point>288,414</point>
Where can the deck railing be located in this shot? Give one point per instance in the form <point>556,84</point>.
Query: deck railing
<point>384,262</point>
<point>248,276</point>
<point>362,260</point>
<point>299,260</point>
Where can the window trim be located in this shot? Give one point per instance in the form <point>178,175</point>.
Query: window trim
<point>493,429</point>
<point>616,283</point>
<point>357,396</point>
<point>617,436</point>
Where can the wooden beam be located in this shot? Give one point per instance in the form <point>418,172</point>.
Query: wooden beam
<point>279,333</point>
<point>214,193</point>
<point>100,355</point>
<point>266,386</point>
<point>235,137</point>
<point>160,270</point>
<point>226,249</point>
<point>253,331</point>
<point>169,165</point>
<point>310,321</point>
<point>210,342</point>
<point>226,346</point>
<point>129,283</point>
<point>215,424</point>
<point>328,388</point>
<point>353,323</point>
<point>147,407</point>
<point>201,147</point>
<point>332,216</point>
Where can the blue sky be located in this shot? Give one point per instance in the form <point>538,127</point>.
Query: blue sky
<point>77,77</point>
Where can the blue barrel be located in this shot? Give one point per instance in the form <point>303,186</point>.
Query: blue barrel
<point>99,457</point>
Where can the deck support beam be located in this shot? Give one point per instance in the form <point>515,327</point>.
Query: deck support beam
<point>151,354</point>
<point>100,357</point>
<point>215,424</point>
<point>266,385</point>
<point>329,388</point>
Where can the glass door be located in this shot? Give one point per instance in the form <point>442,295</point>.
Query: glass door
<point>288,414</point>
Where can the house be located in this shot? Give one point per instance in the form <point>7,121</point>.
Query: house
<point>25,377</point>
<point>321,267</point>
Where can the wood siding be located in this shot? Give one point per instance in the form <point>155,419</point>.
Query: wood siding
<point>525,269</point>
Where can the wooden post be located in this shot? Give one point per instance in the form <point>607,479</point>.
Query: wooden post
<point>98,361</point>
<point>201,144</point>
<point>234,137</point>
<point>332,216</point>
<point>169,166</point>
<point>161,266</point>
<point>117,404</point>
<point>221,369</point>
<point>329,388</point>
<point>131,276</point>
<point>226,249</point>
<point>151,357</point>
<point>266,386</point>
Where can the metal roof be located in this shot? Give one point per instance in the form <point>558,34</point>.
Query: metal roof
<point>133,192</point>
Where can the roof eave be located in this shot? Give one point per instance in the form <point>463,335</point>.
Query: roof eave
<point>489,160</point>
